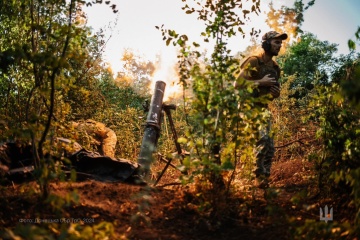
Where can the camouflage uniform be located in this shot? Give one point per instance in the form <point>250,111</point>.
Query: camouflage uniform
<point>264,151</point>
<point>265,145</point>
<point>104,137</point>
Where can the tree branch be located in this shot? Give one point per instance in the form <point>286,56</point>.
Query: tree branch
<point>52,79</point>
<point>289,143</point>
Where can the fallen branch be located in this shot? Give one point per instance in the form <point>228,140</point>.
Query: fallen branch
<point>287,144</point>
<point>169,184</point>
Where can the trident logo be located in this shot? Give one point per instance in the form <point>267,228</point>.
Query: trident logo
<point>325,216</point>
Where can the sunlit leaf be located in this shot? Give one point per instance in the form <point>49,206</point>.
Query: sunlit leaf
<point>182,140</point>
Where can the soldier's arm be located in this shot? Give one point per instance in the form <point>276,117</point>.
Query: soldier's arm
<point>249,70</point>
<point>275,91</point>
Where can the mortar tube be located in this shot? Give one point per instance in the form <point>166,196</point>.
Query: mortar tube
<point>152,129</point>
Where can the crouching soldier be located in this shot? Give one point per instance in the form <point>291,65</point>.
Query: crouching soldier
<point>103,137</point>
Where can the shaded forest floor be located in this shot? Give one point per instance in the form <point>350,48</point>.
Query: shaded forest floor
<point>176,212</point>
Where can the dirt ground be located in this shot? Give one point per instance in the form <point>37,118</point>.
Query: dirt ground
<point>175,212</point>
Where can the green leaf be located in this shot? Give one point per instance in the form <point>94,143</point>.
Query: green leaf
<point>180,42</point>
<point>357,34</point>
<point>172,33</point>
<point>196,44</point>
<point>227,165</point>
<point>351,44</point>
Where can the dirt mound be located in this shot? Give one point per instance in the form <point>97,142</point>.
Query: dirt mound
<point>174,212</point>
<point>291,173</point>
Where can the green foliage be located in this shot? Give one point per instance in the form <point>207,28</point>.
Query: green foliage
<point>350,84</point>
<point>50,73</point>
<point>310,61</point>
<point>338,125</point>
<point>338,163</point>
<point>352,43</point>
<point>288,124</point>
<point>123,111</point>
<point>313,229</point>
<point>128,126</point>
<point>119,95</point>
<point>306,64</point>
<point>218,116</point>
<point>74,231</point>
<point>323,90</point>
<point>42,44</point>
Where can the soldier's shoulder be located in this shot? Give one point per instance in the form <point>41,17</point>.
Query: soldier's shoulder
<point>275,63</point>
<point>252,60</point>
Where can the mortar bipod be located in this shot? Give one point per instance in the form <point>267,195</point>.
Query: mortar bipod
<point>167,109</point>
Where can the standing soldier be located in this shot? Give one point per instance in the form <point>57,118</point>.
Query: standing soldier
<point>265,73</point>
<point>104,138</point>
